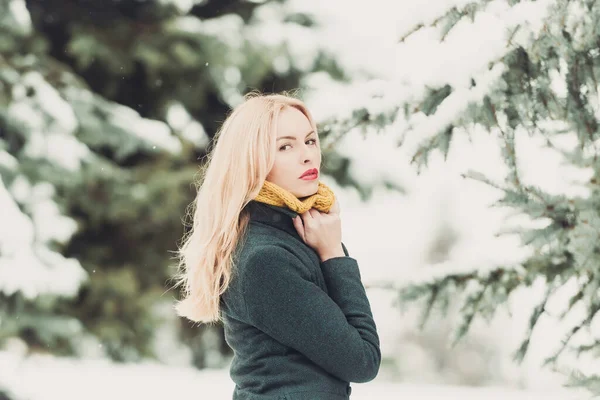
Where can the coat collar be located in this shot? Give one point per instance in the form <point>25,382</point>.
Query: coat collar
<point>278,217</point>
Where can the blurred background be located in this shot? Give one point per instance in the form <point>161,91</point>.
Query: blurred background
<point>461,138</point>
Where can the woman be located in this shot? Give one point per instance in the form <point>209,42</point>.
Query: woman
<point>265,257</point>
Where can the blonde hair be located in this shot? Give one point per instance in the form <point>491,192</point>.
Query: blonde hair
<point>237,167</point>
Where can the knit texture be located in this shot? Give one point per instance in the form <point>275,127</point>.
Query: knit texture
<point>275,195</point>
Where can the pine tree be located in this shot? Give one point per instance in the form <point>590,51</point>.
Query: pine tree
<point>106,111</point>
<point>540,80</point>
<point>55,134</point>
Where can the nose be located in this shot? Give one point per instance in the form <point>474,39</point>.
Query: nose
<point>307,155</point>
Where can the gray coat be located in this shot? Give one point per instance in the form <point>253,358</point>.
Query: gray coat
<point>299,328</point>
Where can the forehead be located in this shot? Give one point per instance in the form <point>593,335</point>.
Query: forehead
<point>292,122</point>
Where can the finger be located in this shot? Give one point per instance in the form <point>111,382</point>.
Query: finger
<point>314,213</point>
<point>307,216</point>
<point>297,221</point>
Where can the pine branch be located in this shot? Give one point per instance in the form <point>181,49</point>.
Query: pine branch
<point>549,87</point>
<point>533,319</point>
<point>468,312</point>
<point>590,382</point>
<point>452,17</point>
<point>574,330</point>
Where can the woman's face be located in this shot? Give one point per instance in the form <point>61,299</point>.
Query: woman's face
<point>297,150</point>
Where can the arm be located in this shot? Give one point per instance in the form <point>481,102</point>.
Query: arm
<point>337,333</point>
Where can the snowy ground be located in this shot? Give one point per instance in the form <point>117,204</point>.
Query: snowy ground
<point>43,377</point>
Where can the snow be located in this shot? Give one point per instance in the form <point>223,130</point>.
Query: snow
<point>227,28</point>
<point>180,120</point>
<point>26,264</point>
<point>460,57</point>
<point>66,379</point>
<point>437,197</point>
<point>8,161</point>
<point>270,29</point>
<point>19,20</point>
<point>414,14</point>
<point>58,148</point>
<point>463,53</point>
<point>361,35</point>
<point>49,121</point>
<point>154,132</point>
<point>185,24</point>
<point>38,199</point>
<point>13,217</point>
<point>393,234</point>
<point>439,203</point>
<point>120,127</point>
<point>547,169</point>
<point>578,16</point>
<point>395,237</point>
<point>427,127</point>
<point>422,60</point>
<point>183,6</point>
<point>35,94</point>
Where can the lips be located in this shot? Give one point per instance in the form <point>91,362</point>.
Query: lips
<point>310,173</point>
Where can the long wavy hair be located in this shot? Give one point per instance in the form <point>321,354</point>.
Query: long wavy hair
<point>235,171</point>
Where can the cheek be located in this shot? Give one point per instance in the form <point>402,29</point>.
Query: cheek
<point>278,168</point>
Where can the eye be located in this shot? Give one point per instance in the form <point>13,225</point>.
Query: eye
<point>282,147</point>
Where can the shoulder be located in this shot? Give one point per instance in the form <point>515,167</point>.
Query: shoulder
<point>271,259</point>
<point>266,240</point>
<point>264,250</point>
<point>270,256</point>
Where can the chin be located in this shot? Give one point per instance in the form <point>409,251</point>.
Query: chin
<point>307,191</point>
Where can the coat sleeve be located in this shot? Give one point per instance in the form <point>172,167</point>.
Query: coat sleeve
<point>345,249</point>
<point>335,331</point>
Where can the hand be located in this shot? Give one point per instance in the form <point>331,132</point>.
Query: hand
<point>335,208</point>
<point>321,231</point>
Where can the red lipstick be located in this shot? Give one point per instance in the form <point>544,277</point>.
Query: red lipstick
<point>310,174</point>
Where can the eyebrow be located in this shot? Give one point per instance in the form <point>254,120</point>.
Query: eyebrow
<point>293,138</point>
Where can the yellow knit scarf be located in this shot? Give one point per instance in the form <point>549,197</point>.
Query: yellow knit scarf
<point>275,195</point>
